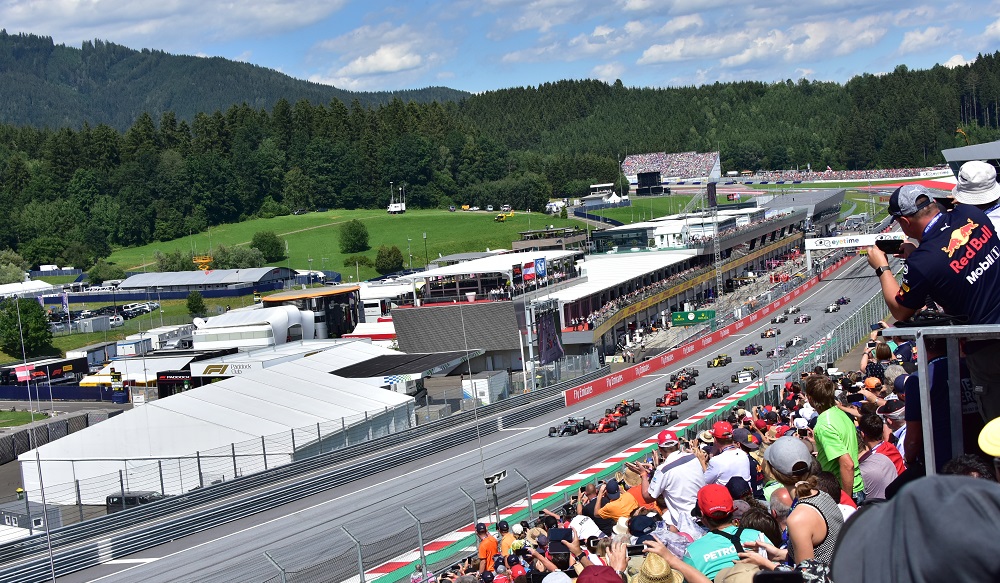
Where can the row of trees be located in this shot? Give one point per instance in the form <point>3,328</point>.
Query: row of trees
<point>76,193</point>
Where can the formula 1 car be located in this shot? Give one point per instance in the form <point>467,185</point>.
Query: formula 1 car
<point>843,300</point>
<point>792,310</point>
<point>779,319</point>
<point>747,375</point>
<point>684,372</point>
<point>672,398</point>
<point>795,341</point>
<point>659,418</point>
<point>571,426</point>
<point>832,308</point>
<point>720,360</point>
<point>777,352</point>
<point>680,381</point>
<point>605,424</point>
<point>751,350</point>
<point>803,319</point>
<point>714,391</point>
<point>770,333</point>
<point>627,407</point>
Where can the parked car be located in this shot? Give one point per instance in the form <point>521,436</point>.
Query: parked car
<point>489,208</point>
<point>116,321</point>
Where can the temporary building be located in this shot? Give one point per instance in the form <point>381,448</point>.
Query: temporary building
<point>230,428</point>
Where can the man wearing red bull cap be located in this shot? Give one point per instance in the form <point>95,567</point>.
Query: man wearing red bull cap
<point>956,265</point>
<point>678,478</point>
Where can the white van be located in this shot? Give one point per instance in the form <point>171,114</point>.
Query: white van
<point>133,307</point>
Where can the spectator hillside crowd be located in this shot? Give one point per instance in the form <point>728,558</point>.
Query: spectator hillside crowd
<point>830,482</point>
<point>830,174</point>
<point>680,165</point>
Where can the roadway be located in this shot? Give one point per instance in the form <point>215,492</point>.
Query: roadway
<point>307,532</point>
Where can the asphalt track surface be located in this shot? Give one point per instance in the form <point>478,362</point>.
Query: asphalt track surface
<point>307,532</point>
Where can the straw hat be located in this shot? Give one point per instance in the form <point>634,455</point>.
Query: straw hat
<point>656,570</point>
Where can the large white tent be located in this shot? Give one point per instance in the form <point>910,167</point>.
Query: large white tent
<point>234,427</point>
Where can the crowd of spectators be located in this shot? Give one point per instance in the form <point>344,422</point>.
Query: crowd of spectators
<point>679,165</point>
<point>794,486</point>
<point>830,174</point>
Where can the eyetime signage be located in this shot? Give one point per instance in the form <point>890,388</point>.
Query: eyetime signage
<point>691,318</point>
<point>851,241</point>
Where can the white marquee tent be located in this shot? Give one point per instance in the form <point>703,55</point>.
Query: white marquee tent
<point>234,427</point>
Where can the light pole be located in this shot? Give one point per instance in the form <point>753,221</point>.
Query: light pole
<point>310,271</point>
<point>408,240</point>
<point>426,260</point>
<point>391,191</point>
<point>159,303</point>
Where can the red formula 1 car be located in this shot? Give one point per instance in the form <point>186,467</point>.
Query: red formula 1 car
<point>672,398</point>
<point>605,424</point>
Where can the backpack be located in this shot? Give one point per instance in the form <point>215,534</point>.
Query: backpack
<point>733,538</point>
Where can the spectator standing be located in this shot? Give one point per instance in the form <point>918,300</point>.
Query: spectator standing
<point>954,266</point>
<point>781,506</point>
<point>612,503</point>
<point>877,470</point>
<point>506,538</point>
<point>719,548</point>
<point>977,186</point>
<point>836,437</point>
<point>873,434</point>
<point>586,505</point>
<point>893,412</point>
<point>815,520</point>
<point>487,547</point>
<point>678,479</point>
<point>730,461</point>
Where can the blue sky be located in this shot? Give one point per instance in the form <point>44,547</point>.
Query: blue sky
<point>490,44</point>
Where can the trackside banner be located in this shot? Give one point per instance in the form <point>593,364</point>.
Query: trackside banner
<point>613,381</point>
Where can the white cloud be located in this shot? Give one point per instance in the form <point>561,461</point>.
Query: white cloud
<point>956,61</point>
<point>385,59</point>
<point>637,5</point>
<point>921,40</point>
<point>776,42</point>
<point>163,25</point>
<point>608,71</point>
<point>682,23</point>
<point>695,47</point>
<point>992,31</point>
<point>804,73</point>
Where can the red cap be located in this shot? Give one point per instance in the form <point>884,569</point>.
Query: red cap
<point>788,385</point>
<point>715,501</point>
<point>722,429</point>
<point>760,424</point>
<point>516,571</point>
<point>667,438</point>
<point>781,430</point>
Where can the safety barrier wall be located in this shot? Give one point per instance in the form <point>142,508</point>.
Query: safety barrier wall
<point>614,381</point>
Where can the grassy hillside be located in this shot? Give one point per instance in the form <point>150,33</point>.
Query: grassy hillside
<point>317,236</point>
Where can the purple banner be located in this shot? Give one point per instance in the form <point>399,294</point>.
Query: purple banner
<point>550,347</point>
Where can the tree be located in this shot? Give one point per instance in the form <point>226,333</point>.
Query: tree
<point>353,237</point>
<point>270,244</point>
<point>102,272</point>
<point>196,304</point>
<point>24,318</point>
<point>242,257</point>
<point>12,266</point>
<point>388,260</point>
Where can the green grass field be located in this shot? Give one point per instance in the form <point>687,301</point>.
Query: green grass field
<point>15,418</point>
<point>317,236</point>
<point>57,279</point>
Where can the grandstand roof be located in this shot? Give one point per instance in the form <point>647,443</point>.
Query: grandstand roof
<point>496,263</point>
<point>609,271</point>
<point>210,277</point>
<point>989,152</point>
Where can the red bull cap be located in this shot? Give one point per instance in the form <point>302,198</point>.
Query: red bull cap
<point>908,199</point>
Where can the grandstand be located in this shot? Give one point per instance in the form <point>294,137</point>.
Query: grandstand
<point>677,166</point>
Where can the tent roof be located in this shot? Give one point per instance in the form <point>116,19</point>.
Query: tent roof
<point>25,287</point>
<point>210,277</point>
<point>256,403</point>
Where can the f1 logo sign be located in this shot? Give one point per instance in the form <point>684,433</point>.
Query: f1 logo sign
<point>216,369</point>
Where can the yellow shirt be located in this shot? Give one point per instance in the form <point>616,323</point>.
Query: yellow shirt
<point>505,542</point>
<point>625,505</point>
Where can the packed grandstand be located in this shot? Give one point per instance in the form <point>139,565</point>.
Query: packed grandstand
<point>679,165</point>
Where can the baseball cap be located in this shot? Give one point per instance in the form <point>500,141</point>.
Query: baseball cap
<point>872,382</point>
<point>897,384</point>
<point>742,436</point>
<point>780,430</point>
<point>715,501</point>
<point>977,183</point>
<point>722,429</point>
<point>502,526</point>
<point>612,490</point>
<point>517,530</point>
<point>760,424</point>
<point>904,200</point>
<point>480,527</point>
<point>640,525</point>
<point>789,456</point>
<point>543,540</point>
<point>738,487</point>
<point>486,577</point>
<point>516,571</point>
<point>598,574</point>
<point>893,409</point>
<point>788,386</point>
<point>667,438</point>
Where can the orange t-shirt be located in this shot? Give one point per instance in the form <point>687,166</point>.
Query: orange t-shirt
<point>487,550</point>
<point>636,492</point>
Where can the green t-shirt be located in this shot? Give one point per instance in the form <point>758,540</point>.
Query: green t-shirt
<point>713,553</point>
<point>836,435</point>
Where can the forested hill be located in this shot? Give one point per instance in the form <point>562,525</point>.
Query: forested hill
<point>47,85</point>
